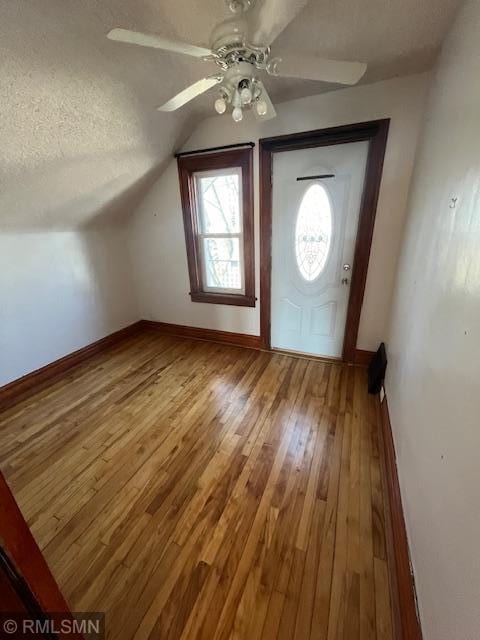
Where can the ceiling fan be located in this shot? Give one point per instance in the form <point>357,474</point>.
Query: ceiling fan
<point>240,46</point>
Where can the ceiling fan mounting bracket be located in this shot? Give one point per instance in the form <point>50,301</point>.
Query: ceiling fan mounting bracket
<point>230,54</point>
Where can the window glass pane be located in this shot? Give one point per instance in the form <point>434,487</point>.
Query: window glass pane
<point>222,263</point>
<point>313,232</point>
<point>219,202</point>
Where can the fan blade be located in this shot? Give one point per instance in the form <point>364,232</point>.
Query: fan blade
<point>157,42</point>
<point>271,113</point>
<point>291,65</point>
<point>190,93</point>
<point>268,18</point>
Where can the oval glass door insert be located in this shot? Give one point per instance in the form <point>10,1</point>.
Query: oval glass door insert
<point>313,232</point>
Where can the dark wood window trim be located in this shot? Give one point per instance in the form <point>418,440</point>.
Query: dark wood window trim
<point>187,167</point>
<point>376,133</point>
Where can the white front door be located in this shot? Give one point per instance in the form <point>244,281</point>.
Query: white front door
<point>314,228</point>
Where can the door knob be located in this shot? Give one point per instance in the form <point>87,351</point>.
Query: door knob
<point>346,267</point>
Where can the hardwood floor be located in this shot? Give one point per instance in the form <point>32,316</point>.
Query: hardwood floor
<point>195,490</point>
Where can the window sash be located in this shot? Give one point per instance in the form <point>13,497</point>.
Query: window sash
<point>232,290</point>
<point>215,173</point>
<point>201,236</point>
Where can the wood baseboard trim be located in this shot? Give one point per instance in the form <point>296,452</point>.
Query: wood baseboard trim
<point>31,382</point>
<point>402,585</point>
<point>363,358</point>
<point>197,333</point>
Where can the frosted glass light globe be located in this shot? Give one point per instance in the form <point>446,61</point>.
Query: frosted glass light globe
<point>220,105</point>
<point>237,114</point>
<point>246,95</point>
<point>261,107</point>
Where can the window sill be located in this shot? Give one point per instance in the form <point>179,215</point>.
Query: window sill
<point>234,299</point>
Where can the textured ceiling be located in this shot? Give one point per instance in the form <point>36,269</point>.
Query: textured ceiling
<point>79,133</point>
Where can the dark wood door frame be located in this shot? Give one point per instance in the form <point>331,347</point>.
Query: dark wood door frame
<point>31,577</point>
<point>376,133</point>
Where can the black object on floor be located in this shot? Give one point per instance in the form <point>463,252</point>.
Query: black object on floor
<point>376,370</point>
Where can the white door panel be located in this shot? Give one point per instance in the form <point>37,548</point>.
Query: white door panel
<point>314,228</point>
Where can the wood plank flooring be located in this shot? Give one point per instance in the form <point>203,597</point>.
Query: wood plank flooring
<point>198,491</point>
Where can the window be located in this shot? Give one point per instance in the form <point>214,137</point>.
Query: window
<point>313,232</point>
<point>217,194</point>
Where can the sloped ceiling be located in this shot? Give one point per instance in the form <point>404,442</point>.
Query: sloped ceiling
<point>80,138</point>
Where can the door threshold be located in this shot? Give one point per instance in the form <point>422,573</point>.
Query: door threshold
<point>308,356</point>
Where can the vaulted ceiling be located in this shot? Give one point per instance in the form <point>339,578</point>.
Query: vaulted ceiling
<point>80,137</point>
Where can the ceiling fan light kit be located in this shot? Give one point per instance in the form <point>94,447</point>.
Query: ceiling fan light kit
<point>240,46</point>
<point>237,114</point>
<point>261,107</point>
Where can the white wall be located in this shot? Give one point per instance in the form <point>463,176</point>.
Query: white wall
<point>158,245</point>
<point>434,347</point>
<point>60,291</point>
